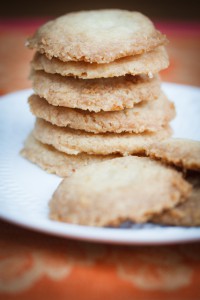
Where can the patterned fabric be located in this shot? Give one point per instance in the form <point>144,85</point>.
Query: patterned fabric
<point>37,266</point>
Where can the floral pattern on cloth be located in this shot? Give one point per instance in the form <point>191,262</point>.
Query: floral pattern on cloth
<point>21,266</point>
<point>33,263</point>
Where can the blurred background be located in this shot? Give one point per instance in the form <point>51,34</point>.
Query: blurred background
<point>179,20</point>
<point>173,10</point>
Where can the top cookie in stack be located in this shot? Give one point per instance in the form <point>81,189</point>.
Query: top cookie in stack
<point>96,84</point>
<point>101,36</point>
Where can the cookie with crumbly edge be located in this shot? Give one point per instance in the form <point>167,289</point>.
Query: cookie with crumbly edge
<point>182,153</point>
<point>107,94</point>
<point>100,36</point>
<point>74,142</point>
<point>56,162</point>
<point>148,63</point>
<point>122,189</point>
<point>187,213</point>
<point>146,116</point>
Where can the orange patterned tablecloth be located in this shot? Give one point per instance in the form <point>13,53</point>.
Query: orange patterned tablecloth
<point>38,266</point>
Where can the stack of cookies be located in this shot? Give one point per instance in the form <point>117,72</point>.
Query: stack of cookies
<point>97,89</point>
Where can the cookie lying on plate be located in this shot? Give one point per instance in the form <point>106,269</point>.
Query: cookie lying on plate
<point>147,63</point>
<point>108,94</point>
<point>108,193</point>
<point>100,36</point>
<point>187,213</point>
<point>145,116</point>
<point>185,154</point>
<point>182,153</point>
<point>74,142</point>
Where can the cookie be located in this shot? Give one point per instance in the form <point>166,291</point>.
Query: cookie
<point>112,192</point>
<point>179,152</point>
<point>187,213</point>
<point>145,116</point>
<point>100,36</point>
<point>74,142</point>
<point>150,63</point>
<point>56,162</point>
<point>108,94</point>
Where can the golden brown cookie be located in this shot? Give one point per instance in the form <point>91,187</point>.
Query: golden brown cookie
<point>179,152</point>
<point>148,63</point>
<point>74,142</point>
<point>99,36</point>
<point>108,94</point>
<point>56,162</point>
<point>145,116</point>
<point>122,189</point>
<point>187,213</point>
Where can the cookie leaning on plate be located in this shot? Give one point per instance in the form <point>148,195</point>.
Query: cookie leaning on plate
<point>145,116</point>
<point>108,94</point>
<point>117,186</point>
<point>100,36</point>
<point>147,63</point>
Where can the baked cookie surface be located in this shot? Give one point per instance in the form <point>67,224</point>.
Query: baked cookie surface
<point>108,94</point>
<point>150,62</point>
<point>145,116</point>
<point>56,162</point>
<point>99,36</point>
<point>74,142</point>
<point>179,152</point>
<point>111,192</point>
<point>187,213</point>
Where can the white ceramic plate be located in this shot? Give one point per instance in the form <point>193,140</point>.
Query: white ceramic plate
<point>25,189</point>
